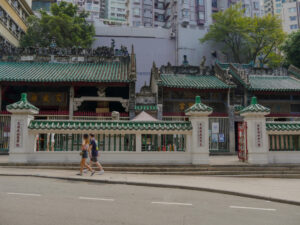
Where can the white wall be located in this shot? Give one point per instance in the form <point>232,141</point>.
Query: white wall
<point>150,44</point>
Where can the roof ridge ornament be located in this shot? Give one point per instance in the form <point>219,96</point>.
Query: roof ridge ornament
<point>199,108</point>
<point>255,108</point>
<point>22,107</point>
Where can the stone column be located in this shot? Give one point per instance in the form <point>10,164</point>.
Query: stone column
<point>257,139</point>
<point>22,142</point>
<point>231,129</point>
<point>200,137</point>
<point>138,142</point>
<point>71,102</point>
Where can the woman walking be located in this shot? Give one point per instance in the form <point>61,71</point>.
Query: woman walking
<point>85,152</point>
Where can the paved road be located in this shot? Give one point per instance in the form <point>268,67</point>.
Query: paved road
<point>40,201</point>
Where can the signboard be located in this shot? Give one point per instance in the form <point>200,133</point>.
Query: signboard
<point>258,134</point>
<point>214,138</point>
<point>215,128</point>
<point>19,134</point>
<point>221,138</point>
<point>201,134</point>
<point>48,98</point>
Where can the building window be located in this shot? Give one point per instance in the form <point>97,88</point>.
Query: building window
<point>278,5</point>
<point>294,27</point>
<point>201,15</point>
<point>185,13</point>
<point>136,23</point>
<point>136,12</point>
<point>200,2</point>
<point>293,18</point>
<point>278,10</point>
<point>291,10</point>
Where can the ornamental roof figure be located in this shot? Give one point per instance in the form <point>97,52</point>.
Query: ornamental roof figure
<point>255,108</point>
<point>199,108</point>
<point>22,106</point>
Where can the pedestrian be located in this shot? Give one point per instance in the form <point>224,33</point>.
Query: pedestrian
<point>94,154</point>
<point>84,155</point>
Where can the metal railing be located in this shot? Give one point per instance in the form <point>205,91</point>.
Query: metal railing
<point>4,133</point>
<point>165,143</point>
<point>284,142</point>
<point>73,142</point>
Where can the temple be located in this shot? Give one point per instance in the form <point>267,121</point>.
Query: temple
<point>85,84</point>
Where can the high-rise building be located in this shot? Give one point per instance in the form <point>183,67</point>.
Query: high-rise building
<point>13,15</point>
<point>268,7</point>
<point>275,7</point>
<point>252,8</point>
<point>290,16</point>
<point>147,13</point>
<point>117,10</point>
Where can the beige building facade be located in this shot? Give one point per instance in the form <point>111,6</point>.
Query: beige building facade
<point>13,15</point>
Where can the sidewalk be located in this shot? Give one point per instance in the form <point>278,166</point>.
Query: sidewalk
<point>280,190</point>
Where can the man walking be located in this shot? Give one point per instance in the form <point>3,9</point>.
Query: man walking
<point>94,154</point>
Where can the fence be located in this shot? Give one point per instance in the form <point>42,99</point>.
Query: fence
<point>284,142</point>
<point>4,133</point>
<point>111,142</point>
<point>218,134</point>
<point>73,142</point>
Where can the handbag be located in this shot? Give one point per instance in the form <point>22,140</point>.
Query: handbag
<point>81,153</point>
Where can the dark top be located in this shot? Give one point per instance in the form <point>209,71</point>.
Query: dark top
<point>94,148</point>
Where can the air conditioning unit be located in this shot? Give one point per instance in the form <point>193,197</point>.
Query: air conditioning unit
<point>172,35</point>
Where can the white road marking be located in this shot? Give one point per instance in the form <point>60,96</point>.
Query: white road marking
<point>172,203</point>
<point>243,207</point>
<point>97,199</point>
<point>25,194</point>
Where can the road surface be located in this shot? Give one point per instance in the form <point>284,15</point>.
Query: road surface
<point>40,201</point>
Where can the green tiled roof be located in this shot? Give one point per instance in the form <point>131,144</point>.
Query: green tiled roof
<point>109,125</point>
<point>22,104</point>
<point>273,83</point>
<point>146,108</point>
<point>294,71</point>
<point>63,72</point>
<point>283,126</point>
<point>191,81</point>
<point>238,108</point>
<point>199,107</point>
<point>254,107</point>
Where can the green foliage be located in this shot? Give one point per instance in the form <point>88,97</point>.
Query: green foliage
<point>246,38</point>
<point>64,24</point>
<point>291,48</point>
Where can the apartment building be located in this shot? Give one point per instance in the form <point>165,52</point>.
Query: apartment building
<point>275,7</point>
<point>13,15</point>
<point>268,6</point>
<point>290,16</point>
<point>93,7</point>
<point>147,13</point>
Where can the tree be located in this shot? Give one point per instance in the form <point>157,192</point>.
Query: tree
<point>246,38</point>
<point>64,24</point>
<point>265,37</point>
<point>291,48</point>
<point>230,28</point>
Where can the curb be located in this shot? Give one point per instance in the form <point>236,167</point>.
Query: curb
<point>160,185</point>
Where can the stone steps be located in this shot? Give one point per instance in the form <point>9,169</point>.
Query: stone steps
<point>176,170</point>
